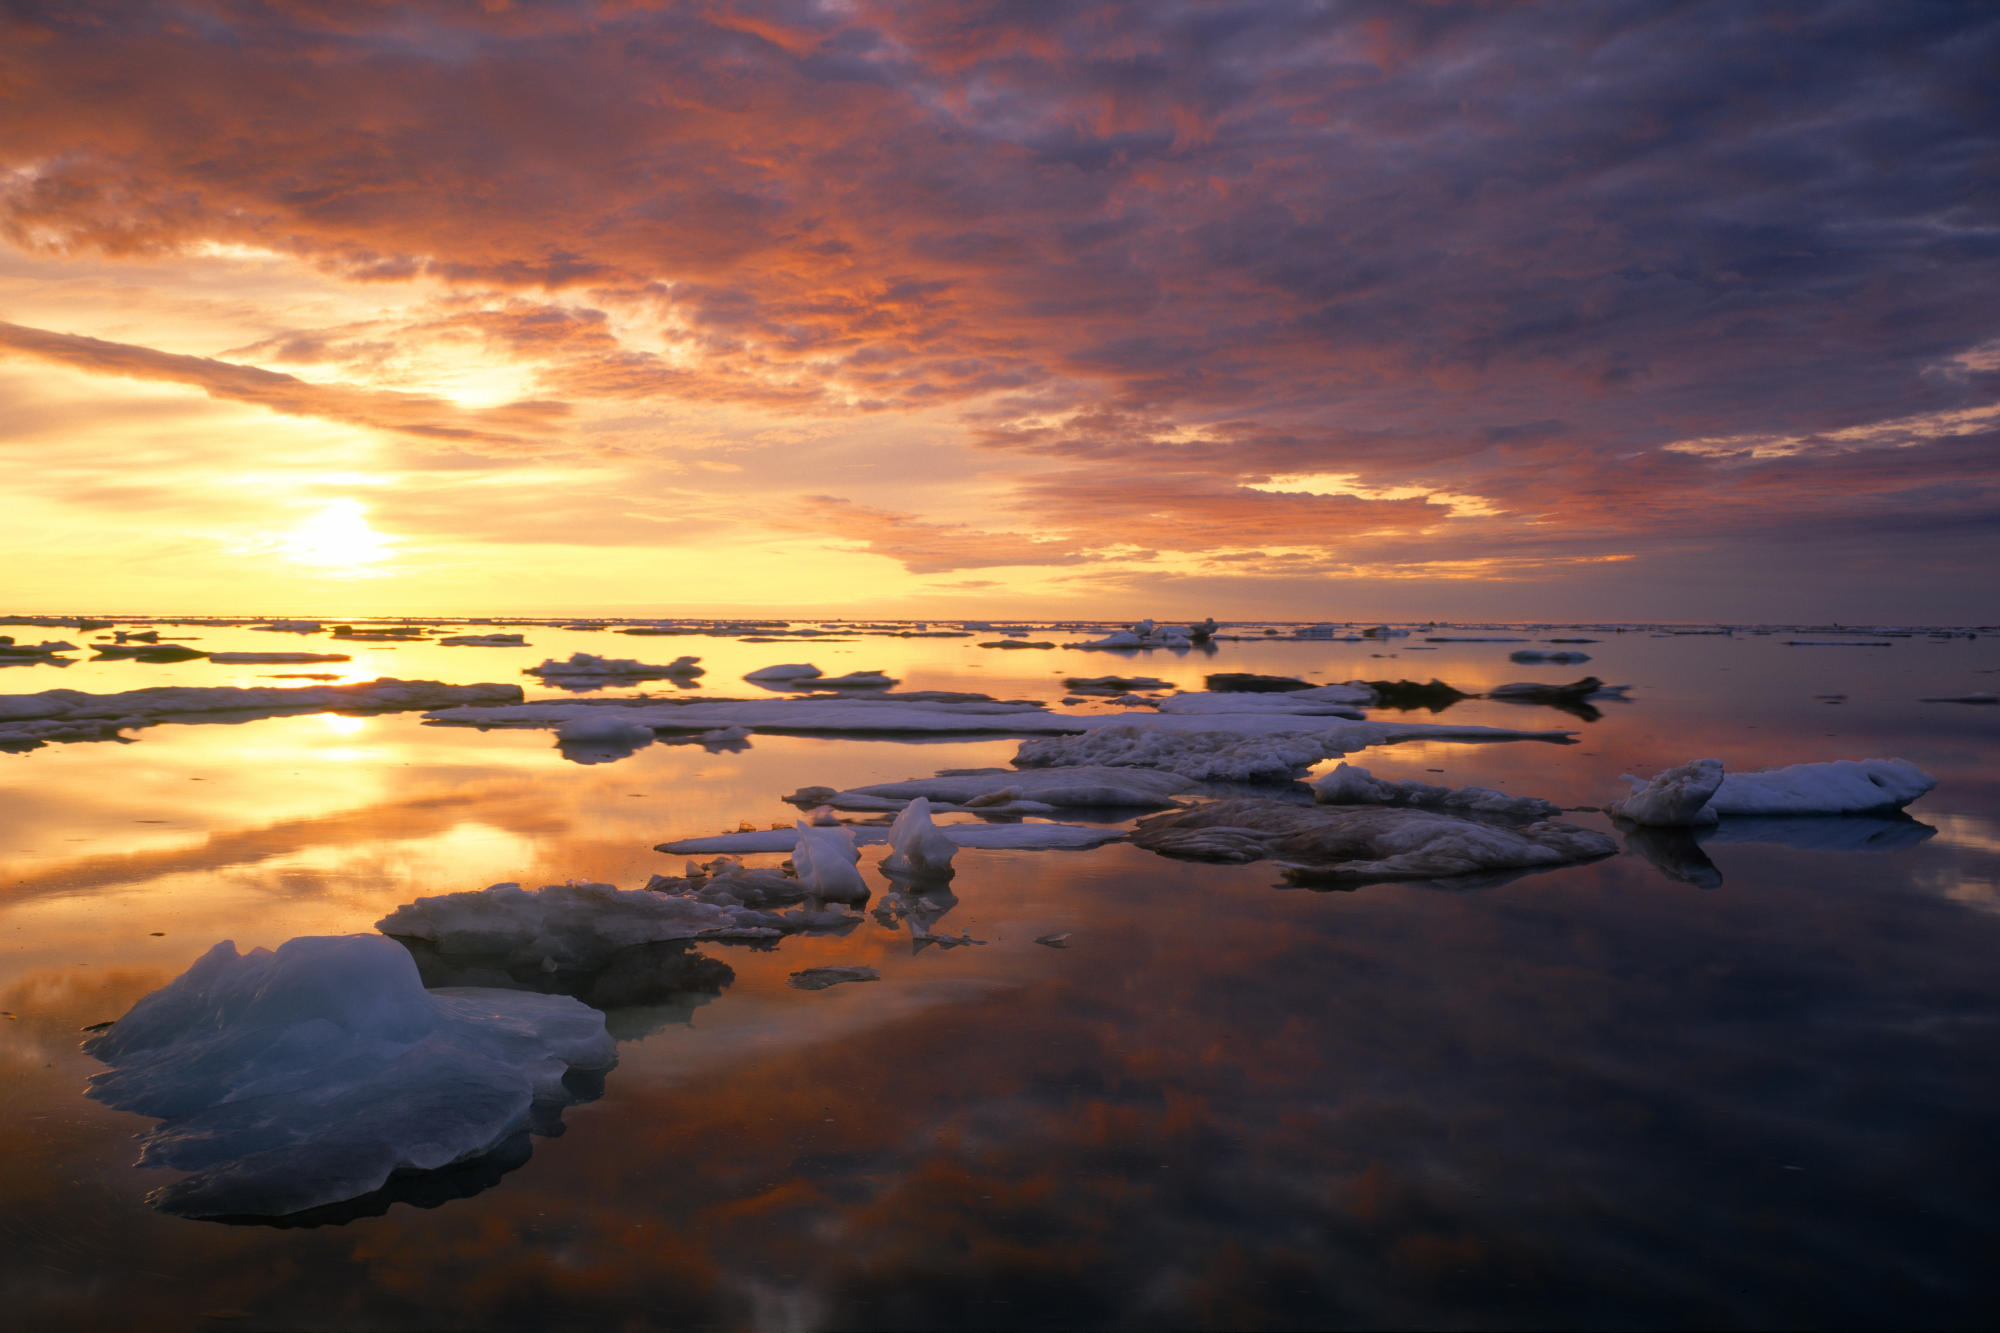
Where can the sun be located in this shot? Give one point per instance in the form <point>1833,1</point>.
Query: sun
<point>338,541</point>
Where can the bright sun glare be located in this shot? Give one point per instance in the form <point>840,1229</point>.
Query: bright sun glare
<point>338,541</point>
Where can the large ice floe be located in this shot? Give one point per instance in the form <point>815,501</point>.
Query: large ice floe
<point>1348,785</point>
<point>987,837</point>
<point>1700,792</point>
<point>1241,747</point>
<point>27,720</point>
<point>1340,844</point>
<point>309,1077</point>
<point>1009,792</point>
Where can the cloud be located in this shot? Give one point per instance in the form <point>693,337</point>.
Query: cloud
<point>405,413</point>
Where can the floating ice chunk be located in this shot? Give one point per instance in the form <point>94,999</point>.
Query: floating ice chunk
<point>1249,682</point>
<point>1838,787</point>
<point>591,666</point>
<point>1336,843</point>
<point>275,659</point>
<point>303,1078</point>
<point>27,720</point>
<point>1474,638</point>
<point>1677,798</point>
<point>1976,698</point>
<point>994,790</point>
<point>1018,643</point>
<point>825,860</point>
<point>854,680</point>
<point>1200,756</point>
<point>1536,655</point>
<point>291,626</point>
<point>487,640</point>
<point>991,837</point>
<point>724,737</point>
<point>1348,785</point>
<point>918,849</point>
<point>608,729</point>
<point>784,671</point>
<point>1113,684</point>
<point>1530,691</point>
<point>1323,701</point>
<point>577,925</point>
<point>819,978</point>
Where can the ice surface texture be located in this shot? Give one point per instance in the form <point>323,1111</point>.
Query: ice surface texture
<point>305,1077</point>
<point>918,849</point>
<point>1362,844</point>
<point>1348,785</point>
<point>1699,792</point>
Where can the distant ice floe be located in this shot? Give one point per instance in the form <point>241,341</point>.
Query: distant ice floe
<point>1242,747</point>
<point>28,720</point>
<point>784,671</point>
<point>306,1078</point>
<point>291,626</point>
<point>275,659</point>
<point>1336,845</point>
<point>1146,634</point>
<point>819,978</point>
<point>987,837</point>
<point>486,640</point>
<point>590,667</point>
<point>1320,701</point>
<point>1009,792</point>
<point>898,714</point>
<point>1348,785</point>
<point>1113,684</point>
<point>1530,655</point>
<point>1700,792</point>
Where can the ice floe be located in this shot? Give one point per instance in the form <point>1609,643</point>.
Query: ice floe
<point>1241,747</point>
<point>1349,785</point>
<point>1835,787</point>
<point>302,1078</point>
<point>486,640</point>
<point>819,978</point>
<point>1113,684</point>
<point>27,720</point>
<point>590,667</point>
<point>1356,844</point>
<point>275,659</point>
<point>784,671</point>
<point>1529,655</point>
<point>918,848</point>
<point>987,837</point>
<point>1006,791</point>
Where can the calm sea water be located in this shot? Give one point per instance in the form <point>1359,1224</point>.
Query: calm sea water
<point>1596,1097</point>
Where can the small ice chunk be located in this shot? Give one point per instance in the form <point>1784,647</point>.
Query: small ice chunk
<point>603,729</point>
<point>917,848</point>
<point>825,859</point>
<point>487,640</point>
<point>1677,798</point>
<point>1530,655</point>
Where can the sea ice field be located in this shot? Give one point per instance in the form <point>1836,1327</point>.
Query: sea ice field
<point>811,975</point>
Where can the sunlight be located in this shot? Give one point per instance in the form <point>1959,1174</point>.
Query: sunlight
<point>338,541</point>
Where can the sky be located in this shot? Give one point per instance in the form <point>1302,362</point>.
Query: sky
<point>1357,309</point>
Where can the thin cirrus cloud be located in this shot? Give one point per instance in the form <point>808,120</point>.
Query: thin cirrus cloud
<point>1642,278</point>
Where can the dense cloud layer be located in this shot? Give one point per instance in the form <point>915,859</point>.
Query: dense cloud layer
<point>1456,287</point>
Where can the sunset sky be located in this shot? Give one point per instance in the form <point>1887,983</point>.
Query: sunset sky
<point>1382,309</point>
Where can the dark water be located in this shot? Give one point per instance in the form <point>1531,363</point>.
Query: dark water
<point>1596,1097</point>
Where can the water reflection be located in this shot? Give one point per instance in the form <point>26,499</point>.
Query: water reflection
<point>1677,852</point>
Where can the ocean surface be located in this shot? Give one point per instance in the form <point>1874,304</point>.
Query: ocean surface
<point>1749,1084</point>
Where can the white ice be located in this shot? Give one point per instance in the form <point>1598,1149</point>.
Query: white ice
<point>918,849</point>
<point>589,665</point>
<point>74,715</point>
<point>784,671</point>
<point>989,837</point>
<point>575,926</point>
<point>303,1077</point>
<point>1677,798</point>
<point>487,640</point>
<point>1011,791</point>
<point>825,858</point>
<point>1838,787</point>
